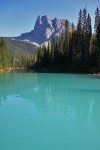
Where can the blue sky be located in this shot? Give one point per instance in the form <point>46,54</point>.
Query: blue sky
<point>19,16</point>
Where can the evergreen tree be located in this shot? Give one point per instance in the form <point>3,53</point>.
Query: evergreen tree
<point>88,38</point>
<point>97,19</point>
<point>84,20</point>
<point>97,35</point>
<point>56,54</point>
<point>52,50</point>
<point>79,34</point>
<point>4,56</point>
<point>80,21</point>
<point>66,41</point>
<point>72,45</point>
<point>84,38</point>
<point>98,46</point>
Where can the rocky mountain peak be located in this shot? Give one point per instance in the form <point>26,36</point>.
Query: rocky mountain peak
<point>45,28</point>
<point>57,23</point>
<point>43,20</point>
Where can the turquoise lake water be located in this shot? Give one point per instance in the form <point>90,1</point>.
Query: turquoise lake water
<point>49,112</point>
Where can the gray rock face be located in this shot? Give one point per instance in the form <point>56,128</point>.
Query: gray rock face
<point>45,29</point>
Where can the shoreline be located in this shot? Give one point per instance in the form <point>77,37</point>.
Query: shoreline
<point>39,70</point>
<point>45,71</point>
<point>11,70</point>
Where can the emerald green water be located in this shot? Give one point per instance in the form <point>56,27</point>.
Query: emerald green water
<point>49,112</point>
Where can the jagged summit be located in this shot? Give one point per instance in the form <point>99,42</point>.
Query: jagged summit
<point>44,30</point>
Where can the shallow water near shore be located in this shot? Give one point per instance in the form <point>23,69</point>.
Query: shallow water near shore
<point>45,111</point>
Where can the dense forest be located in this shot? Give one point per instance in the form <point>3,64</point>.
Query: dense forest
<point>4,55</point>
<point>76,50</point>
<point>9,61</point>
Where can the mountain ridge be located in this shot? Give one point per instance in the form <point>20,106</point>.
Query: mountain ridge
<point>20,48</point>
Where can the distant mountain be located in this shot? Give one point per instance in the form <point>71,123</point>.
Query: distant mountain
<point>20,48</point>
<point>45,29</point>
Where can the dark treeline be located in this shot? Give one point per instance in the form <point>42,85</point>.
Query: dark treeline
<point>77,50</point>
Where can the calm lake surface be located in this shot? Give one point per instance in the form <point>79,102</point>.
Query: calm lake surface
<point>49,112</point>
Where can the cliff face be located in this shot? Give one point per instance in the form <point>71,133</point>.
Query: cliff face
<point>45,29</point>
